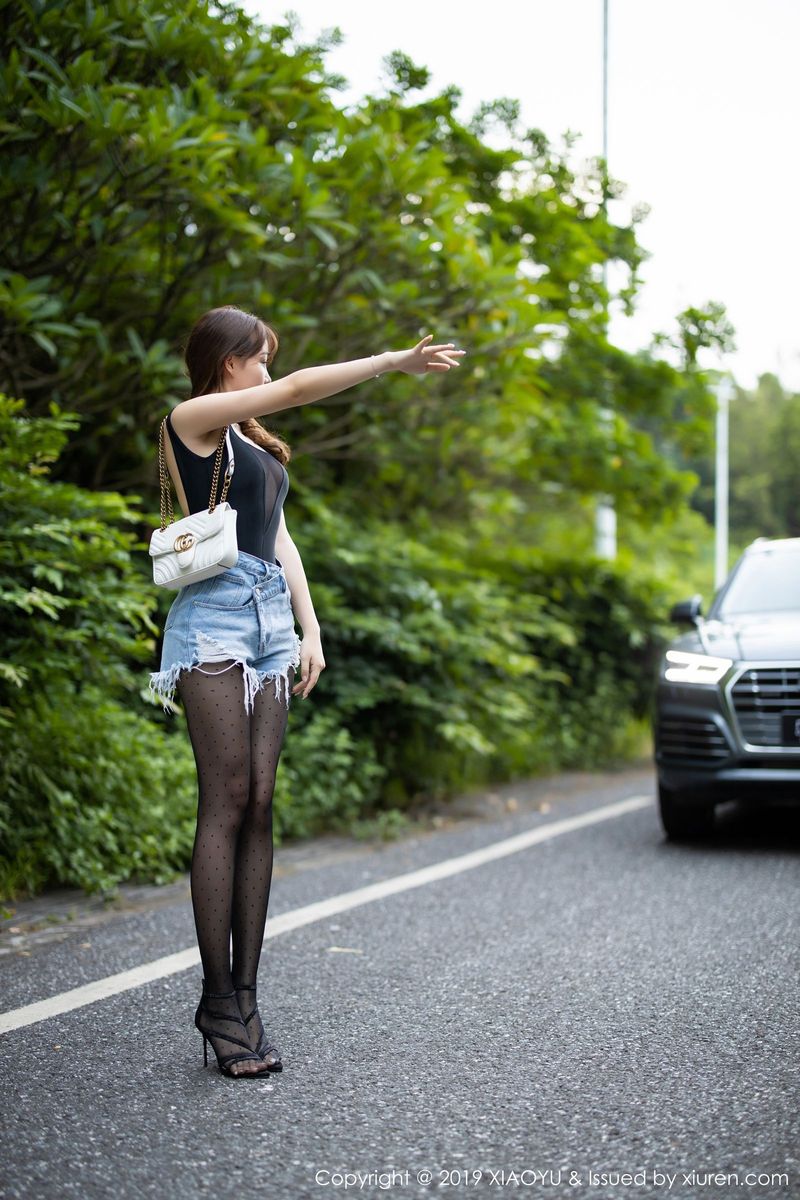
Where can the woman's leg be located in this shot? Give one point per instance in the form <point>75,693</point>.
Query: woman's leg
<point>254,857</point>
<point>253,872</point>
<point>219,729</point>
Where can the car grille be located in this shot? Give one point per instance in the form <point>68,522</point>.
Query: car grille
<point>692,739</point>
<point>761,697</point>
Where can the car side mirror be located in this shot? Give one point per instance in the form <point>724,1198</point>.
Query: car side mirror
<point>687,612</point>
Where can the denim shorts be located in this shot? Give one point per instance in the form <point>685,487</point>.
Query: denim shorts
<point>244,614</point>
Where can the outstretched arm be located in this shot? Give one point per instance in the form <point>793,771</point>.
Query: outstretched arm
<point>202,414</point>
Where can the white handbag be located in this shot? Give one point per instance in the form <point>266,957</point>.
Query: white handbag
<point>202,544</point>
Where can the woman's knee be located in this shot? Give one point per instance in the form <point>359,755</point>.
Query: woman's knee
<point>259,808</point>
<point>226,797</point>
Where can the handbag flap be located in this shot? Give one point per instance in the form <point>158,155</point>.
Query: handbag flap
<point>183,534</point>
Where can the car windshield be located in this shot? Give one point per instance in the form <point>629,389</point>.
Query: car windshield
<point>764,583</point>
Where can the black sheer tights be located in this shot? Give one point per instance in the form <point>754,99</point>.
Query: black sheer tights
<point>237,756</point>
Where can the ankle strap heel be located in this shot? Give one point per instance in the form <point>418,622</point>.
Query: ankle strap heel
<point>267,1052</point>
<point>207,1012</point>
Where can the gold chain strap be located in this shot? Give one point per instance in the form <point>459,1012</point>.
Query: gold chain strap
<point>165,481</point>
<point>212,504</point>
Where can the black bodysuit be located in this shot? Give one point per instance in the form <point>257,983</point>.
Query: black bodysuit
<point>257,492</point>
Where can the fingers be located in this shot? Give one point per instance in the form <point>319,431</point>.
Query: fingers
<point>310,673</point>
<point>436,349</point>
<point>305,673</point>
<point>312,681</point>
<point>426,357</point>
<point>443,357</point>
<point>445,361</point>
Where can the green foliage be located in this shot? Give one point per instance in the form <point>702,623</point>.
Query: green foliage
<point>92,795</point>
<point>328,775</point>
<point>450,664</point>
<point>764,449</point>
<point>702,328</point>
<point>171,161</point>
<point>90,791</point>
<point>72,604</point>
<point>607,670</point>
<point>764,439</point>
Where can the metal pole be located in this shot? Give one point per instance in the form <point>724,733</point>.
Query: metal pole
<point>605,80</point>
<point>605,522</point>
<point>723,390</point>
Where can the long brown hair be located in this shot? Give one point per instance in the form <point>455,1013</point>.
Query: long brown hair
<point>230,331</point>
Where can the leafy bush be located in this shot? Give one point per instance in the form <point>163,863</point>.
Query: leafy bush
<point>452,666</point>
<point>91,791</point>
<point>93,795</point>
<point>327,776</point>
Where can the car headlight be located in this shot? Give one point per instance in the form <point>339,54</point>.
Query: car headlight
<point>682,667</point>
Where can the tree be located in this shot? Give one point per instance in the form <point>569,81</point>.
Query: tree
<point>764,445</point>
<point>172,161</point>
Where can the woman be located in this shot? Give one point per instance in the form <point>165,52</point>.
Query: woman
<point>225,637</point>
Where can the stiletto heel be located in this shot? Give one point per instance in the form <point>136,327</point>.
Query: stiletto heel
<point>266,1052</point>
<point>225,1061</point>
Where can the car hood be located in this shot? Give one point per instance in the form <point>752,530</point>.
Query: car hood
<point>749,638</point>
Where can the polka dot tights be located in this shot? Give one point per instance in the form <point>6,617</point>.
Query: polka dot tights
<point>231,871</point>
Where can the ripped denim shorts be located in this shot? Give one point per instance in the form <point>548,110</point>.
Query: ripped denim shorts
<point>244,614</point>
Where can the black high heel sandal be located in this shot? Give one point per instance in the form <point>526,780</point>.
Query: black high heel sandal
<point>264,1050</point>
<point>225,1061</point>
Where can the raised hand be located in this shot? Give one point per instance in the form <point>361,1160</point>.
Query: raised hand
<point>424,357</point>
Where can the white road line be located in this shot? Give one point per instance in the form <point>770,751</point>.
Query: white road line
<point>101,989</point>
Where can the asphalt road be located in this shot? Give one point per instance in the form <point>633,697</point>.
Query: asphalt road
<point>570,1018</point>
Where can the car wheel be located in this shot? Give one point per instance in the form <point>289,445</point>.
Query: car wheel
<point>684,819</point>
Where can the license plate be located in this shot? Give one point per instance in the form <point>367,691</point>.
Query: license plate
<point>791,729</point>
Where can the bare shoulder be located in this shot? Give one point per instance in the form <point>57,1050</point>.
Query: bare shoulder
<point>186,429</point>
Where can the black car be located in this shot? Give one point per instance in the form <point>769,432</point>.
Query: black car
<point>727,720</point>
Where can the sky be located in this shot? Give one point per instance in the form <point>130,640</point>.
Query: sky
<point>703,109</point>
